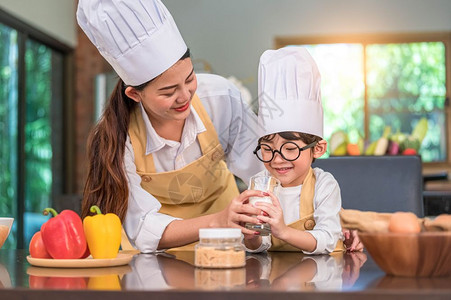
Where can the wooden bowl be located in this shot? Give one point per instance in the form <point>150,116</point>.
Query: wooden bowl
<point>424,254</point>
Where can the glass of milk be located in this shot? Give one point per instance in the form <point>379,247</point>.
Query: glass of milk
<point>265,183</point>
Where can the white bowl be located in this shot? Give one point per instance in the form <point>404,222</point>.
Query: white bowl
<point>5,228</point>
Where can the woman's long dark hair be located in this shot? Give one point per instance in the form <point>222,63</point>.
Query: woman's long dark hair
<point>106,185</point>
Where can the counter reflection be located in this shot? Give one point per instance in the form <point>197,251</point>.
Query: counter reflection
<point>5,279</point>
<point>275,270</point>
<point>77,279</point>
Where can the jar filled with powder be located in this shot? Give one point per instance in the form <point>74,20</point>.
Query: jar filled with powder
<point>219,248</point>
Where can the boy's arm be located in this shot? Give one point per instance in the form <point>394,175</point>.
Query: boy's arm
<point>327,203</point>
<point>257,244</point>
<point>299,239</point>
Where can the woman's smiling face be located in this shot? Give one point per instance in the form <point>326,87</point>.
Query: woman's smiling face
<point>169,95</point>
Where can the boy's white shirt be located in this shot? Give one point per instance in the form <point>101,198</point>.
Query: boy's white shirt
<point>328,275</point>
<point>326,204</point>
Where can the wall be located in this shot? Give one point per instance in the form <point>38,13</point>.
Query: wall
<point>231,35</point>
<point>53,17</point>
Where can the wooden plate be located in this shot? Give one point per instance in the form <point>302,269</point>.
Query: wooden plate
<point>78,272</point>
<point>121,259</point>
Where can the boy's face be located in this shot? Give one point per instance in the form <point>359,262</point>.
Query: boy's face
<point>292,173</point>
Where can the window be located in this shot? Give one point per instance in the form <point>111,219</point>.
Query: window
<point>8,126</point>
<point>32,80</point>
<point>370,83</point>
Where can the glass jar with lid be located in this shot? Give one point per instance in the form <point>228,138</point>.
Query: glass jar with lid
<point>219,248</point>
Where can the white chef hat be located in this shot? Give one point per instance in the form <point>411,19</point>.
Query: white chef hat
<point>138,38</point>
<point>289,92</point>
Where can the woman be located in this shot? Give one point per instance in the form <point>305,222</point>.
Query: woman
<point>156,157</point>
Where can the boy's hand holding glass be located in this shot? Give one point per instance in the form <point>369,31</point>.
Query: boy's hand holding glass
<point>268,184</point>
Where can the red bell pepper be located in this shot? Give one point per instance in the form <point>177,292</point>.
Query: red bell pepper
<point>63,235</point>
<point>37,247</point>
<point>37,282</point>
<point>87,252</point>
<point>57,283</point>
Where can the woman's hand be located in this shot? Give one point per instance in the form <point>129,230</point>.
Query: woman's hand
<point>273,215</point>
<point>239,212</point>
<point>352,241</point>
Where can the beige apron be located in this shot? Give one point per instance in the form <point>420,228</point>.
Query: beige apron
<point>202,187</point>
<point>306,221</point>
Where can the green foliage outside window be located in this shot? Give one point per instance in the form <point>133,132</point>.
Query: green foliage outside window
<point>38,144</point>
<point>8,126</point>
<point>37,147</point>
<point>403,83</point>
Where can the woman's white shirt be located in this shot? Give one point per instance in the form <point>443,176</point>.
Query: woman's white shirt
<point>326,204</point>
<point>235,124</point>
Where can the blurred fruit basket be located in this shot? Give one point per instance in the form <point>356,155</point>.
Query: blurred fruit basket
<point>389,143</point>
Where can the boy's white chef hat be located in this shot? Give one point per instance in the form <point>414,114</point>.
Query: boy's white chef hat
<point>289,92</point>
<point>138,38</point>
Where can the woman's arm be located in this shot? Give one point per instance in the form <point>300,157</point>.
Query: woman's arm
<point>149,230</point>
<point>234,121</point>
<point>143,223</point>
<point>253,243</point>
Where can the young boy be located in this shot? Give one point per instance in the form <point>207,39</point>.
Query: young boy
<point>306,215</point>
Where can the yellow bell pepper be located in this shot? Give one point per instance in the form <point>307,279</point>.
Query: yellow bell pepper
<point>105,282</point>
<point>103,233</point>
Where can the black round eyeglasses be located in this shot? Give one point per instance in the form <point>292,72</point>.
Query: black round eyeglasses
<point>289,151</point>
